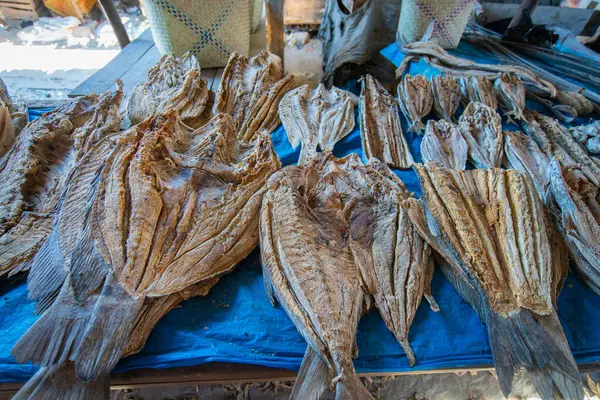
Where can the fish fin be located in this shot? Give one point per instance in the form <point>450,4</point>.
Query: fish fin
<point>427,290</point>
<point>351,388</point>
<point>268,282</point>
<point>60,382</point>
<point>313,377</point>
<point>410,354</point>
<point>523,341</point>
<point>56,333</point>
<point>107,333</point>
<point>47,273</point>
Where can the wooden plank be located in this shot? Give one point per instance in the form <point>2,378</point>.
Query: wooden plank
<point>13,13</point>
<point>275,41</point>
<point>103,79</point>
<point>112,15</point>
<point>217,80</point>
<point>304,12</point>
<point>139,71</point>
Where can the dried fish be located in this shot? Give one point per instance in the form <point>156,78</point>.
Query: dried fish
<point>17,111</point>
<point>479,89</point>
<point>492,231</point>
<point>443,143</point>
<point>250,92</point>
<point>588,135</point>
<point>446,96</point>
<point>576,100</point>
<point>555,140</point>
<point>511,93</point>
<point>415,99</point>
<point>316,118</point>
<point>481,127</point>
<point>381,132</point>
<point>577,209</point>
<point>309,269</point>
<point>525,155</point>
<point>185,212</point>
<point>7,133</point>
<point>174,83</point>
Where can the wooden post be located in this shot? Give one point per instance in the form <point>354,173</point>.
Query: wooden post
<point>528,5</point>
<point>110,12</point>
<point>275,39</point>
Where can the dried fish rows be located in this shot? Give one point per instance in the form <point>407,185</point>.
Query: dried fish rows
<point>119,227</point>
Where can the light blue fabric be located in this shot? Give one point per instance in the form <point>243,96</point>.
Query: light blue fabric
<point>237,323</point>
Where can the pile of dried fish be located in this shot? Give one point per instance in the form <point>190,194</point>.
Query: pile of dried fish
<point>481,127</point>
<point>329,228</point>
<point>588,136</point>
<point>381,132</point>
<point>443,143</point>
<point>318,118</point>
<point>415,99</point>
<point>446,96</point>
<point>507,262</point>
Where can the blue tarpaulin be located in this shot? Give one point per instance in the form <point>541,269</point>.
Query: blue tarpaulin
<point>237,323</point>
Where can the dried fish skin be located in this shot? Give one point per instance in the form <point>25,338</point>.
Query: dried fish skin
<point>174,83</point>
<point>317,118</point>
<point>250,91</point>
<point>576,100</point>
<point>415,100</point>
<point>588,135</point>
<point>443,143</point>
<point>578,218</point>
<point>17,111</point>
<point>511,92</point>
<point>7,133</point>
<point>492,231</point>
<point>525,155</point>
<point>481,127</point>
<point>381,131</point>
<point>446,96</point>
<point>479,89</point>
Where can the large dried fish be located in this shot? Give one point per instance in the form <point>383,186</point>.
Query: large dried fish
<point>318,118</point>
<point>446,96</point>
<point>588,135</point>
<point>185,212</point>
<point>555,140</point>
<point>309,269</point>
<point>174,83</point>
<point>481,127</point>
<point>577,206</point>
<point>479,89</point>
<point>415,99</point>
<point>381,131</point>
<point>443,143</point>
<point>491,228</point>
<point>511,93</point>
<point>525,155</point>
<point>250,91</point>
<point>38,168</point>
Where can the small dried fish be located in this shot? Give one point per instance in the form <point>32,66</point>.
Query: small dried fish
<point>318,118</point>
<point>481,127</point>
<point>577,205</point>
<point>511,93</point>
<point>250,91</point>
<point>415,99</point>
<point>381,132</point>
<point>479,89</point>
<point>491,229</point>
<point>525,155</point>
<point>443,143</point>
<point>588,136</point>
<point>576,100</point>
<point>446,96</point>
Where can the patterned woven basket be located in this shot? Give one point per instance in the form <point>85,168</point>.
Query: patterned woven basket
<point>209,29</point>
<point>449,16</point>
<point>257,10</point>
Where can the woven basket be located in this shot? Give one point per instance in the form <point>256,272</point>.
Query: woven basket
<point>449,16</point>
<point>257,10</point>
<point>209,29</point>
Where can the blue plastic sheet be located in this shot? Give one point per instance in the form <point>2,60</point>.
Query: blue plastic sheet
<point>237,323</point>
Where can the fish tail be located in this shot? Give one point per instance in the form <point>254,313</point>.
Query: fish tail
<point>537,345</point>
<point>59,381</point>
<point>351,388</point>
<point>312,378</point>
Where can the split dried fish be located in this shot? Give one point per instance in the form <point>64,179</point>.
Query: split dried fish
<point>446,96</point>
<point>481,127</point>
<point>174,83</point>
<point>36,171</point>
<point>492,231</point>
<point>415,99</point>
<point>250,92</point>
<point>381,132</point>
<point>588,136</point>
<point>525,155</point>
<point>317,118</point>
<point>479,89</point>
<point>511,93</point>
<point>185,212</point>
<point>555,140</point>
<point>443,143</point>
<point>577,209</point>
